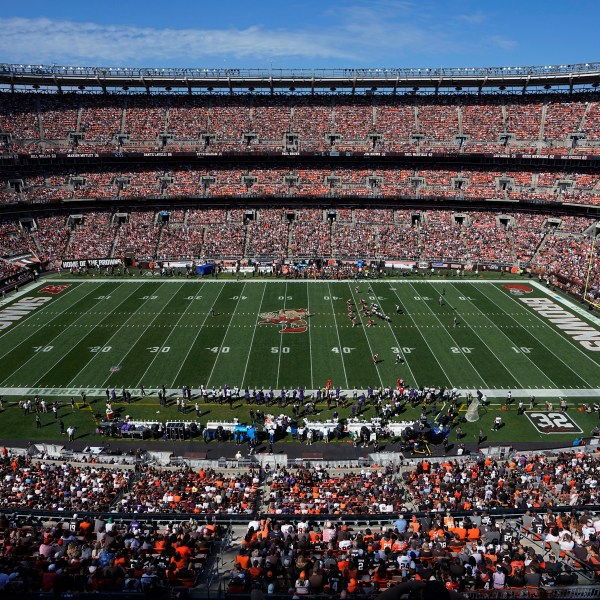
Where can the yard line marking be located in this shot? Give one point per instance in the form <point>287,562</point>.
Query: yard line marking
<point>116,333</point>
<point>252,340</point>
<point>164,342</point>
<point>490,349</point>
<point>198,334</point>
<point>281,339</point>
<point>453,339</point>
<point>481,288</point>
<point>38,313</point>
<point>363,327</point>
<point>426,342</point>
<point>237,304</point>
<point>312,381</point>
<point>52,341</point>
<point>338,336</point>
<point>557,332</point>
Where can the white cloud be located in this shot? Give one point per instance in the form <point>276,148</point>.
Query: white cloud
<point>475,18</point>
<point>504,43</point>
<point>383,31</point>
<point>47,40</point>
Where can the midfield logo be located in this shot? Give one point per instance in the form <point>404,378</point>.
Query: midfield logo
<point>552,422</point>
<point>518,289</point>
<point>291,320</point>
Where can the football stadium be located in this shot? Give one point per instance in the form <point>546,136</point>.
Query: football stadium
<point>330,333</point>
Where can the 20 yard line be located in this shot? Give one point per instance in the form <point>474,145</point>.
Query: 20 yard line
<point>501,362</point>
<point>144,329</point>
<point>506,336</point>
<point>451,337</point>
<point>95,356</point>
<point>40,313</point>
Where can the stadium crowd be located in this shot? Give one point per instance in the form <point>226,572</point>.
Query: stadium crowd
<point>86,123</point>
<point>553,247</point>
<point>215,181</point>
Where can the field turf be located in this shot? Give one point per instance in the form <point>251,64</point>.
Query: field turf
<point>118,332</point>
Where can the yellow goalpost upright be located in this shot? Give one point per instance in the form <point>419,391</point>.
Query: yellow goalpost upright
<point>595,303</point>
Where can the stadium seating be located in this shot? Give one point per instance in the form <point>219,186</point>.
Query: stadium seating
<point>508,124</point>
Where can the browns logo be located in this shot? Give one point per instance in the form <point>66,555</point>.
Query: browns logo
<point>518,289</point>
<point>54,289</point>
<point>291,320</point>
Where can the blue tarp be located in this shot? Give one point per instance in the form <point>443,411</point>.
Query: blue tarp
<point>205,269</point>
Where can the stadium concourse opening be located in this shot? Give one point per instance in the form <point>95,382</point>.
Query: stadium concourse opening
<point>299,332</point>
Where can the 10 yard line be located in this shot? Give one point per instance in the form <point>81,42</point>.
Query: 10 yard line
<point>52,341</point>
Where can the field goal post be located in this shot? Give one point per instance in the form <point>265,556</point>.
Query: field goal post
<point>472,413</point>
<point>587,297</point>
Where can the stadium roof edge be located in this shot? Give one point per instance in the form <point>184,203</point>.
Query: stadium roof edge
<point>292,79</point>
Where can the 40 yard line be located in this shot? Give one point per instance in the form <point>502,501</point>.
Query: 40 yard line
<point>198,334</point>
<point>253,334</point>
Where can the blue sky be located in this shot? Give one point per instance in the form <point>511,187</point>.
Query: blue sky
<point>300,33</point>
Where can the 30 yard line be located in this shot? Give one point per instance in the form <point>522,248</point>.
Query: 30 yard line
<point>171,332</point>
<point>144,329</point>
<point>52,342</point>
<point>252,339</point>
<point>448,378</point>
<point>118,331</point>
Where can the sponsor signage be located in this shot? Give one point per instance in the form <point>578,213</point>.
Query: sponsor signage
<point>81,264</point>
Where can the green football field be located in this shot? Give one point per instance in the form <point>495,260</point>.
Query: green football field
<point>489,335</point>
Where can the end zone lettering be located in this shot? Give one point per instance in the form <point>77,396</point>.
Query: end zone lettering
<point>20,309</point>
<point>574,327</point>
